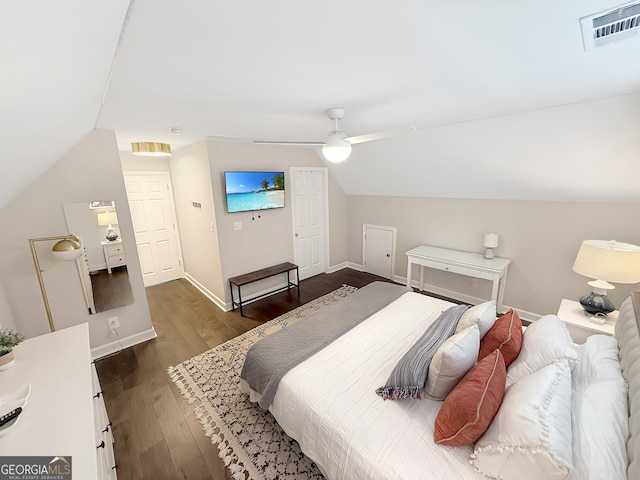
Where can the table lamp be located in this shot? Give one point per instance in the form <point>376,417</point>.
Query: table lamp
<point>109,219</point>
<point>490,242</point>
<point>606,261</point>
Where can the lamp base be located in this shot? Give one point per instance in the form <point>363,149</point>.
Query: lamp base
<point>597,303</point>
<point>112,236</point>
<point>488,253</point>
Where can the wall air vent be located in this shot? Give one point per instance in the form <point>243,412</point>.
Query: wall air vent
<point>611,26</point>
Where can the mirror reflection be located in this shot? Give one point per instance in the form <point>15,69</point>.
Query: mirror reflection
<point>103,269</point>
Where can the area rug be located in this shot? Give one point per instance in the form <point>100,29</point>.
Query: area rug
<point>251,443</point>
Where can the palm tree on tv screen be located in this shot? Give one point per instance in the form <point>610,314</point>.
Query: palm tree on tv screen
<point>278,181</point>
<point>264,185</point>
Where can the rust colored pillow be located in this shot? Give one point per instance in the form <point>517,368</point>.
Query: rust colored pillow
<point>505,335</point>
<point>470,407</point>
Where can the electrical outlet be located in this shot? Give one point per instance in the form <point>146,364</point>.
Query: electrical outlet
<point>113,323</point>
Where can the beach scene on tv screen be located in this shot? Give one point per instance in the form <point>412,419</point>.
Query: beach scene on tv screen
<point>254,190</point>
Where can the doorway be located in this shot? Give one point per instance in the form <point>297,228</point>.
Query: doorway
<point>154,225</point>
<point>310,219</point>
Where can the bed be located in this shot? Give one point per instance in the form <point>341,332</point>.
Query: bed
<point>578,406</point>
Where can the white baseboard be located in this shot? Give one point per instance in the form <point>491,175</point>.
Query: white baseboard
<point>355,266</point>
<point>335,268</point>
<point>123,343</point>
<point>207,293</point>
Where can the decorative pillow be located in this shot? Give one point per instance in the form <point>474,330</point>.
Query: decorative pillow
<point>600,411</point>
<point>408,377</point>
<point>545,341</point>
<point>531,438</point>
<point>598,360</point>
<point>506,335</point>
<point>470,407</point>
<point>600,431</point>
<point>483,315</point>
<point>452,361</point>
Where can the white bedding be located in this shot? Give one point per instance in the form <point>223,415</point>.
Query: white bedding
<point>329,405</point>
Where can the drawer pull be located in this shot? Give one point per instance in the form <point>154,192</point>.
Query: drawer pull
<point>97,395</point>
<point>101,445</point>
<point>106,428</point>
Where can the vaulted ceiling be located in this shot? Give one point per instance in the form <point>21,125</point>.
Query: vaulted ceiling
<point>503,92</point>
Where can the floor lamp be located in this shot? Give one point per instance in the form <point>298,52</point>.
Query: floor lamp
<point>67,247</point>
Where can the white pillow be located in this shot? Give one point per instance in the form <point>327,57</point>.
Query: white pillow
<point>600,431</point>
<point>545,341</point>
<point>530,437</point>
<point>598,360</point>
<point>600,411</point>
<point>453,359</point>
<point>483,315</point>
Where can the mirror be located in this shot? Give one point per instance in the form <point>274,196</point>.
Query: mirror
<point>103,269</point>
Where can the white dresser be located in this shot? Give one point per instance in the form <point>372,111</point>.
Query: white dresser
<point>65,414</point>
<point>113,254</point>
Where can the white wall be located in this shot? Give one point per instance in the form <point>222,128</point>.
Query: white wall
<point>541,239</point>
<point>89,171</point>
<point>267,240</point>
<point>191,181</point>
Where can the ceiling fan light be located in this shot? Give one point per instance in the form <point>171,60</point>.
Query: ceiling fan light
<point>336,149</point>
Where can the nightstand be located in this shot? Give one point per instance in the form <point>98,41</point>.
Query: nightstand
<point>113,254</point>
<point>578,324</point>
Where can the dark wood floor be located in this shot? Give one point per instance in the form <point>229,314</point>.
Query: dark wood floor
<point>111,290</point>
<point>156,433</point>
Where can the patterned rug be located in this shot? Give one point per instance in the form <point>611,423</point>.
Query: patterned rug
<point>251,443</point>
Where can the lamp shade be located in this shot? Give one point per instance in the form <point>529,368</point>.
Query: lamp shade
<point>66,249</point>
<point>151,149</point>
<point>608,261</point>
<point>107,218</point>
<point>490,240</point>
<point>337,148</point>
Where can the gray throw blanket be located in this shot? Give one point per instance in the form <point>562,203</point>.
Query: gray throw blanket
<point>409,376</point>
<point>269,359</point>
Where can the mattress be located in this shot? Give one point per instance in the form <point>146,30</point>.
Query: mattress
<point>329,405</point>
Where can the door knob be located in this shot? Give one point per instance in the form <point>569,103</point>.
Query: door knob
<point>388,255</point>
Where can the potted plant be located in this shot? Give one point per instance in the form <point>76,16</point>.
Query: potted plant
<point>8,339</point>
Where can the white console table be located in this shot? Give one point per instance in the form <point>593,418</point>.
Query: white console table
<point>463,263</point>
<point>65,413</point>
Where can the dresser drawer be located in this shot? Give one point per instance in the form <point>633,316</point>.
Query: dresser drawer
<point>462,270</point>
<point>112,250</point>
<point>117,261</point>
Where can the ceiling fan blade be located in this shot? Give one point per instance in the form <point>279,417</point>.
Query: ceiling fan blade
<point>300,144</point>
<point>368,137</point>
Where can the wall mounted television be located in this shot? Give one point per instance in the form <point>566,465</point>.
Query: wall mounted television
<point>254,191</point>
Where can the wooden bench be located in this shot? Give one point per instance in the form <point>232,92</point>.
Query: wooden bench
<point>261,274</point>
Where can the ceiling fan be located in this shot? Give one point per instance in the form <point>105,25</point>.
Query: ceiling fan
<point>337,147</point>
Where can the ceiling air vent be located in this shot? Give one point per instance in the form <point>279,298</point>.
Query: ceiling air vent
<point>611,26</point>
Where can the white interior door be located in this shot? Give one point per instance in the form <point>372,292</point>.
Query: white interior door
<point>308,198</point>
<point>378,250</point>
<point>154,225</point>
